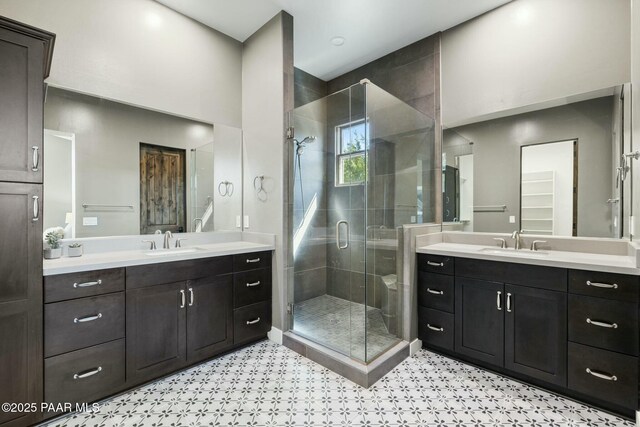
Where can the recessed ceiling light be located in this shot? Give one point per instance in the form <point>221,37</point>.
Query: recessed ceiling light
<point>337,41</point>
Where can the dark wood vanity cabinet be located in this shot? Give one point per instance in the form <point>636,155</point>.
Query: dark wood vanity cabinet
<point>170,325</point>
<point>575,332</point>
<point>25,54</point>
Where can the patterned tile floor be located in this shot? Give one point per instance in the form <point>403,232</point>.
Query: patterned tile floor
<point>269,385</point>
<point>340,325</point>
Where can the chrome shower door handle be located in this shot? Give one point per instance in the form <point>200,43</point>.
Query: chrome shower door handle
<point>346,243</point>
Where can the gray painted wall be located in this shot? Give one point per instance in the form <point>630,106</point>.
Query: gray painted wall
<point>267,92</point>
<point>140,52</point>
<point>531,51</point>
<point>496,151</point>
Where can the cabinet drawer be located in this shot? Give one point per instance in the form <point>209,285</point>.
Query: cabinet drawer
<point>86,284</point>
<point>620,287</point>
<point>141,276</point>
<point>535,276</point>
<point>435,291</point>
<point>435,328</point>
<point>604,375</point>
<point>251,322</point>
<point>435,264</point>
<point>85,375</point>
<point>251,287</point>
<point>75,324</point>
<point>608,324</point>
<point>252,261</point>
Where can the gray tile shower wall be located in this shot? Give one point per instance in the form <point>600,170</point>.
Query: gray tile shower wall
<point>307,88</point>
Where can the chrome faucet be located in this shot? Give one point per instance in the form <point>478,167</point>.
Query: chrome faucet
<point>167,236</point>
<point>516,236</point>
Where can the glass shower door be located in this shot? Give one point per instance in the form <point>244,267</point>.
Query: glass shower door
<point>328,167</point>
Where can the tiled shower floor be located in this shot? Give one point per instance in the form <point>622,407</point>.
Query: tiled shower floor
<point>339,324</point>
<point>269,385</point>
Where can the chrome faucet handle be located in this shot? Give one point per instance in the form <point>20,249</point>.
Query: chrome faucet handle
<point>179,240</point>
<point>535,243</point>
<point>152,244</point>
<point>158,232</point>
<point>503,242</point>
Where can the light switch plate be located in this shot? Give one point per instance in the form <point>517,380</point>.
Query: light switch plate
<point>90,220</point>
<point>512,219</point>
<point>246,221</point>
<point>238,222</point>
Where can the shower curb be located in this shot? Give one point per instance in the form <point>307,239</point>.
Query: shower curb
<point>365,375</point>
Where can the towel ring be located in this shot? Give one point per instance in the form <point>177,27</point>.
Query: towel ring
<point>260,191</point>
<point>227,186</point>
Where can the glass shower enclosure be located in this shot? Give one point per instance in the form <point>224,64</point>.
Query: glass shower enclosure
<point>362,164</point>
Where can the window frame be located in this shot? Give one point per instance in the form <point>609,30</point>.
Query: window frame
<point>341,157</point>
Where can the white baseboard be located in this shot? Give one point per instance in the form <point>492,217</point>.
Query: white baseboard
<point>275,335</point>
<point>415,346</point>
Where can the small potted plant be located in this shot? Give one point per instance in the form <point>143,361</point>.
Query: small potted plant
<point>53,241</point>
<point>75,249</point>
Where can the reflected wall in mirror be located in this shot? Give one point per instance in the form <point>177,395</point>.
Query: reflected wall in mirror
<point>116,169</point>
<point>554,169</point>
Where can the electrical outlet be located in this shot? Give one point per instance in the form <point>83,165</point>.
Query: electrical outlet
<point>413,219</point>
<point>512,219</point>
<point>90,220</point>
<point>238,222</point>
<point>246,221</point>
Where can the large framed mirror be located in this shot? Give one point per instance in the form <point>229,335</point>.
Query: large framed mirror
<point>556,168</point>
<point>116,169</point>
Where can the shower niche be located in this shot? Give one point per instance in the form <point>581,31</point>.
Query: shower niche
<point>361,166</point>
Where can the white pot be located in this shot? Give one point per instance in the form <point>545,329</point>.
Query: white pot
<point>74,251</point>
<point>52,253</point>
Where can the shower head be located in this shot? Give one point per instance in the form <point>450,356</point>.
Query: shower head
<point>301,144</point>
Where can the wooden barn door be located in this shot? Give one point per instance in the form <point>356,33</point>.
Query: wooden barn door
<point>162,189</point>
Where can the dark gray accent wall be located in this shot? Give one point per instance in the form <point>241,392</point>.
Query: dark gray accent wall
<point>307,88</point>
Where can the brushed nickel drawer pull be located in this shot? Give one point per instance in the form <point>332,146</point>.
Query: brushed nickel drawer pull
<point>191,297</point>
<point>36,208</point>
<point>253,322</point>
<point>602,376</point>
<point>250,285</point>
<point>251,261</point>
<point>499,301</point>
<point>183,299</point>
<point>435,291</point>
<point>388,258</point>
<point>508,302</point>
<point>87,284</point>
<point>87,318</point>
<point>602,324</point>
<point>435,264</point>
<point>435,328</point>
<point>36,158</point>
<point>87,374</point>
<point>602,285</point>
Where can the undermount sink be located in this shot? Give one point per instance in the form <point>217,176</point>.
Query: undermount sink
<point>166,252</point>
<point>525,253</point>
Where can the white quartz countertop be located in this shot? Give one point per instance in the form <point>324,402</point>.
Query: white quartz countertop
<point>563,259</point>
<point>127,258</point>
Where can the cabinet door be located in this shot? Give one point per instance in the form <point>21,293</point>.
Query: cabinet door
<point>20,297</point>
<point>479,320</point>
<point>209,317</point>
<point>156,331</point>
<point>536,333</point>
<point>21,107</point>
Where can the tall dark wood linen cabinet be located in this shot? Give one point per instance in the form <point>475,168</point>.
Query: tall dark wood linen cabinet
<point>25,58</point>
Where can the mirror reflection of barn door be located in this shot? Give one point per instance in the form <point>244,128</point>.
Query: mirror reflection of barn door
<point>162,189</point>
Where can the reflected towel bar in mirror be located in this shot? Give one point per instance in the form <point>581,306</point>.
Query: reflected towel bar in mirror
<point>496,208</point>
<point>99,206</point>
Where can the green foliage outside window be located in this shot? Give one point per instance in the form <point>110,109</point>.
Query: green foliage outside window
<point>354,167</point>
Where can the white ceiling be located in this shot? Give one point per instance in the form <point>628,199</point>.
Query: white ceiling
<point>372,28</point>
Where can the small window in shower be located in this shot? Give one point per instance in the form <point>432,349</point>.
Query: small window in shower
<point>351,143</point>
